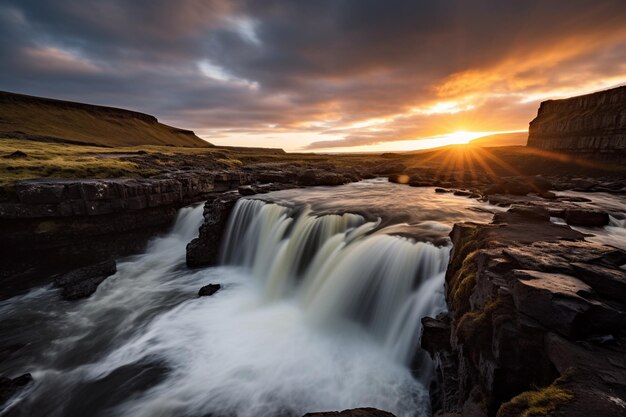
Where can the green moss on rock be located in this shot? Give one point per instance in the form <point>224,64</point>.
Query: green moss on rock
<point>543,402</point>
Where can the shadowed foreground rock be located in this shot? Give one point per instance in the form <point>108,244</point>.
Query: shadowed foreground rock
<point>204,250</point>
<point>83,282</point>
<point>209,290</point>
<point>536,322</point>
<point>9,387</point>
<point>356,412</point>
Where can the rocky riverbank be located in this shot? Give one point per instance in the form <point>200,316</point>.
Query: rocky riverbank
<point>535,325</point>
<point>69,224</point>
<point>57,225</point>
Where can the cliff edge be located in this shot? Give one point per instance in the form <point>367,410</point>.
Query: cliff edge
<point>593,125</point>
<point>536,323</point>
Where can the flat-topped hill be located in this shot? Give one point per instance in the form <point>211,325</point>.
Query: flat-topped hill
<point>592,125</point>
<point>44,119</point>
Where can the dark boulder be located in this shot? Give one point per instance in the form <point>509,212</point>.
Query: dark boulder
<point>586,217</point>
<point>204,250</point>
<point>312,177</point>
<point>17,155</point>
<point>399,178</point>
<point>435,334</point>
<point>388,169</point>
<point>356,412</point>
<point>9,387</point>
<point>209,290</point>
<point>246,190</point>
<point>82,282</point>
<point>462,193</point>
<point>518,186</point>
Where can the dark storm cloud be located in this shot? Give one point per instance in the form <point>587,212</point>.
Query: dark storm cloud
<point>312,66</point>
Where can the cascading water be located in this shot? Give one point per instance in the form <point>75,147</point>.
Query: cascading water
<point>615,222</point>
<point>337,269</point>
<point>316,313</point>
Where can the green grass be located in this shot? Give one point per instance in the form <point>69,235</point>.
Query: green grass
<point>87,124</point>
<point>53,160</point>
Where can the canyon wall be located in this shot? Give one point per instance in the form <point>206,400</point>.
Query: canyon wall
<point>51,225</point>
<point>593,125</point>
<point>536,322</point>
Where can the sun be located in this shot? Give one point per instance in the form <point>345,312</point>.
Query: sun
<point>462,136</point>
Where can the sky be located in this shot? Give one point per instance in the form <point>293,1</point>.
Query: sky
<point>317,75</point>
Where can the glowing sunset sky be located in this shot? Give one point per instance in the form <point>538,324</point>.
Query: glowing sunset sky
<point>323,75</point>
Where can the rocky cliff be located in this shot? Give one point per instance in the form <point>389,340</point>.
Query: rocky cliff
<point>536,323</point>
<point>49,226</point>
<point>593,125</point>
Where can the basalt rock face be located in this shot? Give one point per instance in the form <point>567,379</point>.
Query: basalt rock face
<point>204,250</point>
<point>593,125</point>
<point>536,322</point>
<point>52,226</point>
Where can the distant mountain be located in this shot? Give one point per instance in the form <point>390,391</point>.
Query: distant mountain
<point>44,119</point>
<point>502,139</point>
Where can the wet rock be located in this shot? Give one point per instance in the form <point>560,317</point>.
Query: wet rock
<point>209,290</point>
<point>399,178</point>
<point>9,387</point>
<point>608,282</point>
<point>510,285</point>
<point>388,169</point>
<point>314,177</point>
<point>442,190</point>
<point>574,199</point>
<point>420,183</point>
<point>204,250</point>
<point>435,335</point>
<point>586,217</point>
<point>517,186</point>
<point>462,193</point>
<point>548,195</point>
<point>17,155</point>
<point>356,412</point>
<point>83,282</point>
<point>246,190</point>
<point>563,303</point>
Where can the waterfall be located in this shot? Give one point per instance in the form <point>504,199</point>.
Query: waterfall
<point>339,267</point>
<point>615,222</point>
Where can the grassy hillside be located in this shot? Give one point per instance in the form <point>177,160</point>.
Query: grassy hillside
<point>43,119</point>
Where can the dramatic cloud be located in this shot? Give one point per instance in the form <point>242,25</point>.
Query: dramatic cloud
<point>324,74</point>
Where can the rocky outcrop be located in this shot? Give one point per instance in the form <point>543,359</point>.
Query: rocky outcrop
<point>209,290</point>
<point>9,387</point>
<point>204,250</point>
<point>591,125</point>
<point>96,197</point>
<point>536,322</point>
<point>54,226</point>
<point>83,282</point>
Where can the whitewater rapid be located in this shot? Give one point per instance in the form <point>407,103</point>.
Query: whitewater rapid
<point>318,311</point>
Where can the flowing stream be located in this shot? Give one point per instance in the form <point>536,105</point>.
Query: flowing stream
<point>320,309</point>
<point>613,234</point>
